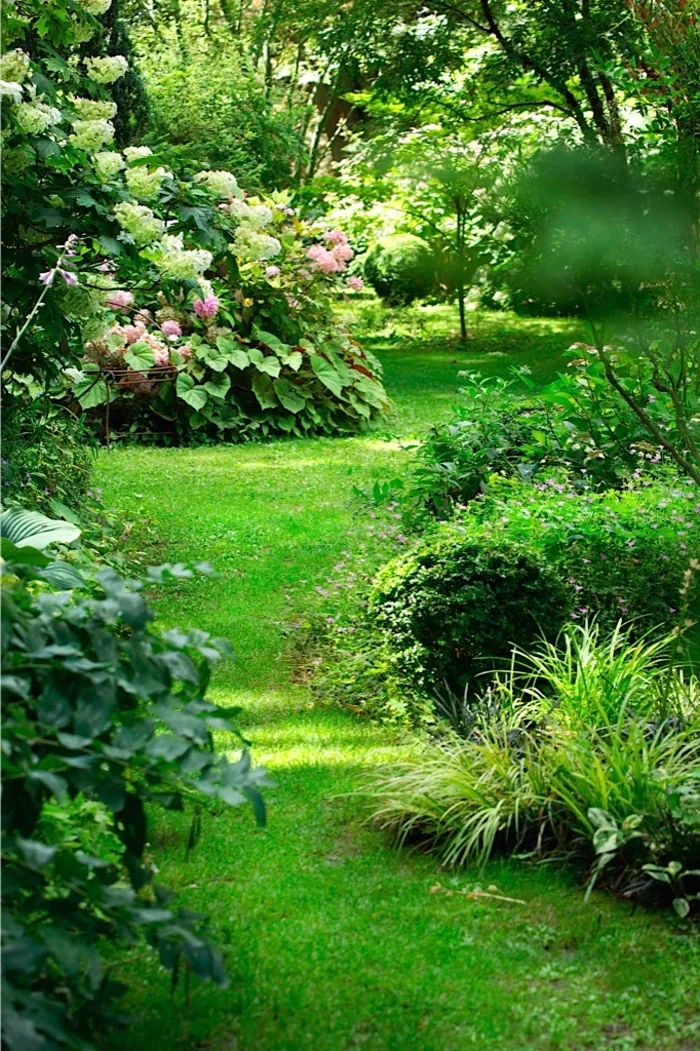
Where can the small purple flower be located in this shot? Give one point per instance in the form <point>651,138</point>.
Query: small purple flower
<point>47,277</point>
<point>69,277</point>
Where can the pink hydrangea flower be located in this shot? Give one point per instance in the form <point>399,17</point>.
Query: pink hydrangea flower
<point>272,271</point>
<point>161,356</point>
<point>343,253</point>
<point>171,329</point>
<point>206,308</point>
<point>185,351</point>
<point>120,300</point>
<point>134,333</point>
<point>355,283</point>
<point>324,260</point>
<point>336,237</point>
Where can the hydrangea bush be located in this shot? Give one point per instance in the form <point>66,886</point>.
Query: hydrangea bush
<point>252,347</point>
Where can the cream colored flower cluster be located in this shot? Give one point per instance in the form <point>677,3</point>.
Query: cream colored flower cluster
<point>222,183</point>
<point>139,221</point>
<point>176,261</point>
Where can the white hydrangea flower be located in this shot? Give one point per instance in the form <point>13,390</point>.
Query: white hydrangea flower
<point>252,246</point>
<point>107,69</point>
<point>93,109</point>
<point>259,216</point>
<point>14,66</point>
<point>36,117</point>
<point>10,89</point>
<point>179,262</point>
<point>96,8</point>
<point>91,134</point>
<point>222,183</point>
<point>145,184</point>
<point>137,153</point>
<point>255,216</point>
<point>139,221</point>
<point>108,163</point>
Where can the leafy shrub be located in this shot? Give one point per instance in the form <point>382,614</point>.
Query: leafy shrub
<point>400,268</point>
<point>492,430</point>
<point>213,106</point>
<point>590,749</point>
<point>267,358</point>
<point>45,459</point>
<point>102,719</point>
<point>452,608</point>
<point>522,561</point>
<point>621,555</point>
<point>574,424</point>
<point>118,237</point>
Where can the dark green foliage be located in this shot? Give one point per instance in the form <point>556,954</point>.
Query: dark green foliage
<point>622,556</point>
<point>44,459</point>
<point>523,561</point>
<point>400,268</point>
<point>452,609</point>
<point>102,719</point>
<point>214,111</point>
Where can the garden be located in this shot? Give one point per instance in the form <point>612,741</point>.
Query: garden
<point>350,525</point>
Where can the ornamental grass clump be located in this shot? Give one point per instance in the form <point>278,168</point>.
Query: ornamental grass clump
<point>589,749</point>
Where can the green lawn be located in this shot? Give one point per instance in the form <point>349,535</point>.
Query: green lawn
<point>335,940</point>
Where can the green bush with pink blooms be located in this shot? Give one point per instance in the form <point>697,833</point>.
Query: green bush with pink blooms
<point>165,304</point>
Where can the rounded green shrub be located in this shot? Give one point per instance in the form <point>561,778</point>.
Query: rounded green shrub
<point>400,268</point>
<point>453,608</point>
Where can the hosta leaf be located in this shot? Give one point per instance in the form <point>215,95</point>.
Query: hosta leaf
<point>32,529</point>
<point>289,397</point>
<point>327,374</point>
<point>219,386</point>
<point>63,576</point>
<point>140,357</point>
<point>197,397</point>
<point>22,556</point>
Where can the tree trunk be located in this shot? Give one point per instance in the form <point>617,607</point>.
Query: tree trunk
<point>461,298</point>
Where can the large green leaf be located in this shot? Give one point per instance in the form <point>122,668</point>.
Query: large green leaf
<point>140,357</point>
<point>22,556</point>
<point>271,365</point>
<point>63,576</point>
<point>293,360</point>
<point>195,396</point>
<point>262,386</point>
<point>235,354</point>
<point>219,386</point>
<point>91,392</point>
<point>270,341</point>
<point>215,358</point>
<point>327,374</point>
<point>290,398</point>
<point>32,529</point>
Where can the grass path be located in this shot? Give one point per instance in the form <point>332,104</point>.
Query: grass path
<point>337,940</point>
